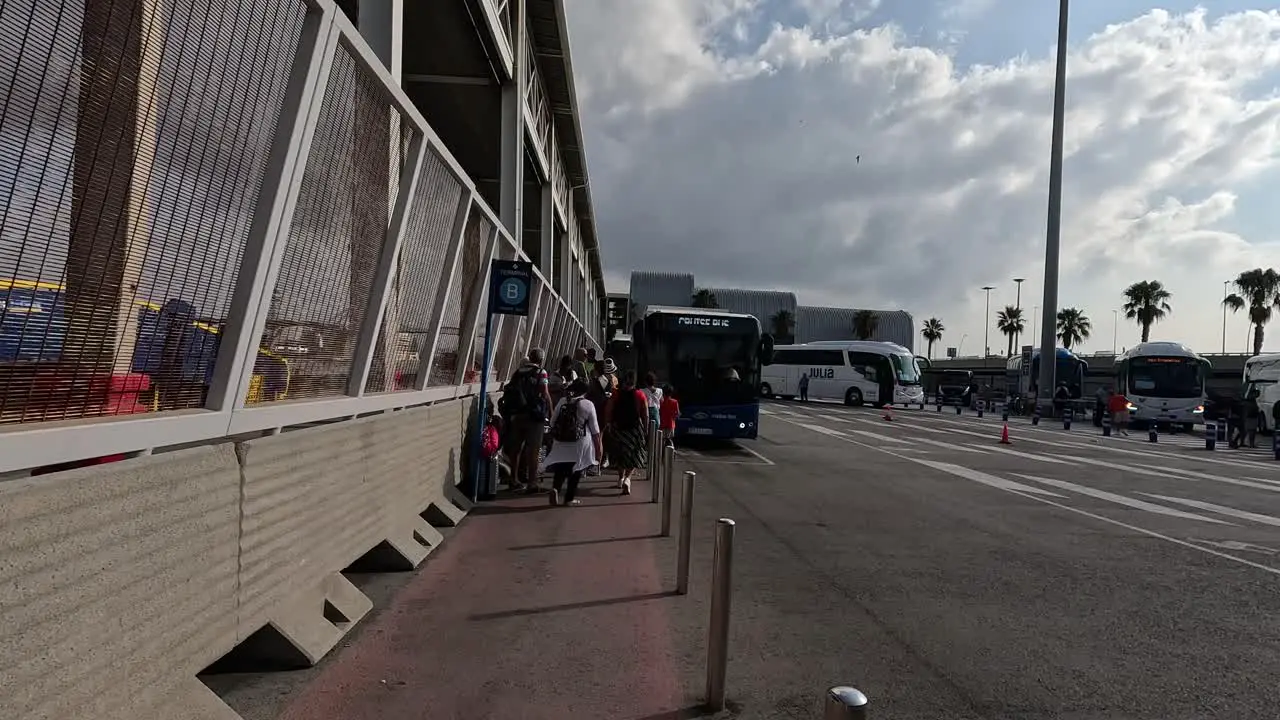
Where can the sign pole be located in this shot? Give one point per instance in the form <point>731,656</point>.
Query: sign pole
<point>483,415</point>
<point>509,284</point>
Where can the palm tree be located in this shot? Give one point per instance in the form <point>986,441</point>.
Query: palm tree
<point>1259,291</point>
<point>865,323</point>
<point>1073,326</point>
<point>704,298</point>
<point>784,323</point>
<point>1009,321</point>
<point>1148,303</point>
<point>932,332</point>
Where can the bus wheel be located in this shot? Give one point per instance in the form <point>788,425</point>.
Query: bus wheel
<point>766,390</point>
<point>853,396</point>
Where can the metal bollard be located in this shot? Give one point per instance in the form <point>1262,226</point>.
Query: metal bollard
<point>668,482</point>
<point>686,534</point>
<point>1067,414</point>
<point>1106,424</point>
<point>982,405</point>
<point>1275,444</point>
<point>655,466</point>
<point>1004,413</point>
<point>1151,433</point>
<point>845,703</point>
<point>938,400</point>
<point>1035,415</point>
<point>959,409</point>
<point>1210,435</point>
<point>1223,428</point>
<point>721,600</point>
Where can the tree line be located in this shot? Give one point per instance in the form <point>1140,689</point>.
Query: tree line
<point>1256,291</point>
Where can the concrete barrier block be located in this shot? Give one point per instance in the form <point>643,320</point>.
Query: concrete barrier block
<point>314,620</point>
<point>309,512</point>
<point>415,541</point>
<point>117,586</point>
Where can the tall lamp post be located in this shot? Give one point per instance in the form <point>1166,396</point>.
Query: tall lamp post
<point>1018,304</point>
<point>1226,290</point>
<point>1115,329</point>
<point>1053,229</point>
<point>986,327</point>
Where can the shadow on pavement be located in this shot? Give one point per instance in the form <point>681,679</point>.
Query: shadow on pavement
<point>571,606</point>
<point>578,543</point>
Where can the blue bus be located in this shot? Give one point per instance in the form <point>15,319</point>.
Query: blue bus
<point>1022,377</point>
<point>713,360</point>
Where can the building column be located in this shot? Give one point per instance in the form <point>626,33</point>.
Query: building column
<point>381,24</point>
<point>511,165</point>
<point>115,147</point>
<point>546,248</point>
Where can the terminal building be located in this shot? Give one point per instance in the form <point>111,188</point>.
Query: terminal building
<point>806,323</point>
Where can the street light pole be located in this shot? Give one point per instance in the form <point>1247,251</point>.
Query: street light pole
<point>1053,230</point>
<point>1115,329</point>
<point>1018,304</point>
<point>1225,287</point>
<point>986,327</point>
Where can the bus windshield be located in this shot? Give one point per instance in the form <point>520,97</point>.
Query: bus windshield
<point>1169,377</point>
<point>906,369</point>
<point>706,368</point>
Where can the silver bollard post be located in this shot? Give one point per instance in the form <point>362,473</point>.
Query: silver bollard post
<point>686,534</point>
<point>845,703</point>
<point>655,465</point>
<point>668,483</point>
<point>721,597</point>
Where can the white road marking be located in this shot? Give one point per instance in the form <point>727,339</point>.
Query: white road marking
<point>1033,456</point>
<point>764,459</point>
<point>949,446</point>
<point>1220,509</point>
<point>878,436</point>
<point>1121,499</point>
<point>984,478</point>
<point>1084,513</point>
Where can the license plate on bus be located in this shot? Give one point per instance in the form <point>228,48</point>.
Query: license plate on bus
<point>700,431</point>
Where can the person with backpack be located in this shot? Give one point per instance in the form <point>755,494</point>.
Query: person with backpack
<point>627,417</point>
<point>525,403</point>
<point>575,441</point>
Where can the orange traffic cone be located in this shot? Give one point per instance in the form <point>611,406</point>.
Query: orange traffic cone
<point>888,413</point>
<point>1004,435</point>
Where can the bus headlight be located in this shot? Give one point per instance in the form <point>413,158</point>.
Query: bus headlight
<point>1199,410</point>
<point>1130,407</point>
<point>742,426</point>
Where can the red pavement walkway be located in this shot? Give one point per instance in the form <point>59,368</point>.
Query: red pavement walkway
<point>528,611</point>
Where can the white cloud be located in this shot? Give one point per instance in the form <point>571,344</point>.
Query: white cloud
<point>740,166</point>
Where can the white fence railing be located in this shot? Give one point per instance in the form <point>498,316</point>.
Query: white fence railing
<point>342,272</point>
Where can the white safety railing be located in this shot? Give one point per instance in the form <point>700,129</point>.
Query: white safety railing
<point>360,284</point>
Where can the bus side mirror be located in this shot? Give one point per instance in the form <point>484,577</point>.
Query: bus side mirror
<point>766,349</point>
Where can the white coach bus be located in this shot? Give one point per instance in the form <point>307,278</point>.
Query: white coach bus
<point>853,371</point>
<point>1164,381</point>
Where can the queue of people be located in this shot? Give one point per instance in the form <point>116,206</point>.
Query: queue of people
<point>577,420</point>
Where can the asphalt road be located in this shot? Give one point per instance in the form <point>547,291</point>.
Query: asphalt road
<point>947,576</point>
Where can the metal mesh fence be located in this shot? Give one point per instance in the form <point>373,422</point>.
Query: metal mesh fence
<point>133,140</point>
<point>472,267</point>
<point>338,229</point>
<point>429,232</point>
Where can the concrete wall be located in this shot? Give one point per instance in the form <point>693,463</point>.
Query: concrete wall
<point>119,583</point>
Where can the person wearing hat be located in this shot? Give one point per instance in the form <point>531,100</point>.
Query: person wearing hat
<point>603,384</point>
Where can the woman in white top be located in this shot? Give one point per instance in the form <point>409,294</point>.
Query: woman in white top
<point>575,440</point>
<point>652,396</point>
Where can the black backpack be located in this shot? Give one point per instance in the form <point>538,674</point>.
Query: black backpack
<point>523,395</point>
<point>566,428</point>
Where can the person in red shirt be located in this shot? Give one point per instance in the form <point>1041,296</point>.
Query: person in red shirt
<point>668,413</point>
<point>1118,405</point>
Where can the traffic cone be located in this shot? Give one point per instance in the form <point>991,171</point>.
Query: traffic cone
<point>1004,435</point>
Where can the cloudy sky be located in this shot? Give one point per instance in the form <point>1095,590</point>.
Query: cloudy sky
<point>723,138</point>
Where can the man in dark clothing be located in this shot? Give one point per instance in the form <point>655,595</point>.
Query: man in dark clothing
<point>525,406</point>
